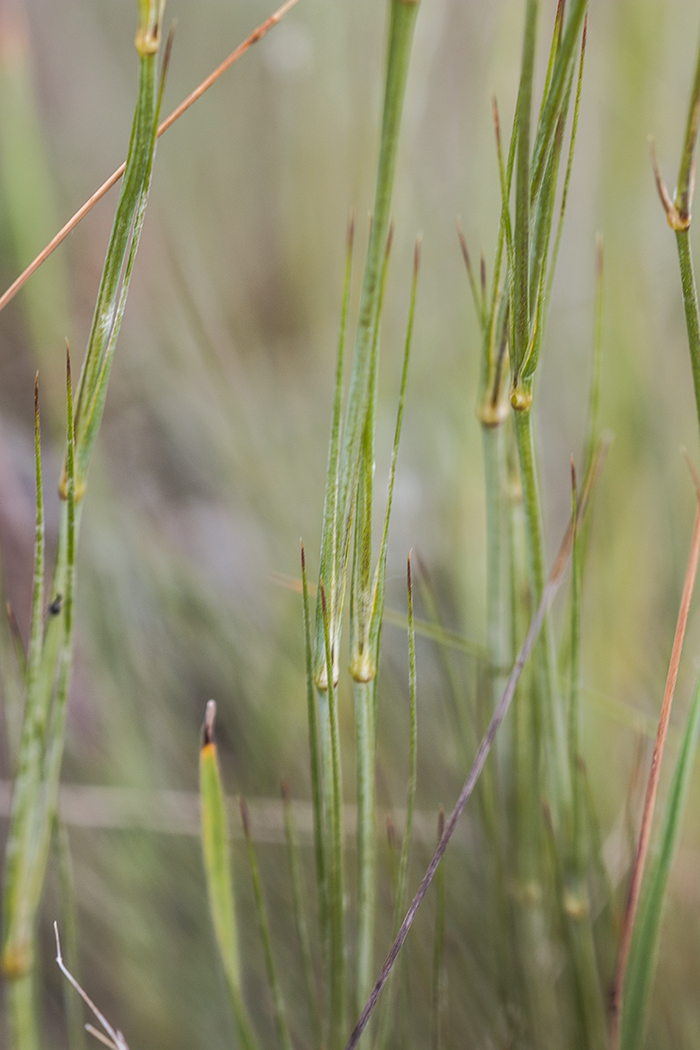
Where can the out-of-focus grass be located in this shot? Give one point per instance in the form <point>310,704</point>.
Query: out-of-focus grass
<point>214,443</point>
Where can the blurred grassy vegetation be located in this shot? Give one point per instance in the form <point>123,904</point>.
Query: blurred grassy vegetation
<point>212,456</point>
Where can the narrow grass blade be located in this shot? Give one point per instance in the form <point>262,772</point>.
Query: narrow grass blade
<point>264,925</point>
<point>521,231</point>
<point>380,573</point>
<point>402,22</point>
<point>561,73</point>
<point>363,657</point>
<point>645,942</point>
<point>569,163</point>
<point>329,551</point>
<point>217,869</point>
<point>366,624</point>
<point>402,877</point>
<point>37,628</point>
<point>122,248</point>
<point>43,734</point>
<point>616,998</point>
<point>302,925</point>
<point>336,865</point>
<point>41,747</point>
<point>315,763</point>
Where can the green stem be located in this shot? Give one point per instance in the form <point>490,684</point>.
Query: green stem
<point>21,1012</point>
<point>690,303</point>
<point>402,23</point>
<point>548,726</point>
<point>366,737</point>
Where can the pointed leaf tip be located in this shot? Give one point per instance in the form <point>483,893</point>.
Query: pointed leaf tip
<point>208,727</point>
<point>417,253</point>
<point>245,815</point>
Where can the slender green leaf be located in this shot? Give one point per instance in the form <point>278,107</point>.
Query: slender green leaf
<point>217,869</point>
<point>647,932</point>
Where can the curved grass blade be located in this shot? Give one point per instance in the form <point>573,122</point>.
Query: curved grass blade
<point>616,998</point>
<point>315,762</point>
<point>647,933</point>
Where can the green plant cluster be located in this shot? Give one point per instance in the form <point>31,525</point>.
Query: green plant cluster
<point>571,957</point>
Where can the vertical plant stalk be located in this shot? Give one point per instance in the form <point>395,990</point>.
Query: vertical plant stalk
<point>678,214</point>
<point>575,900</point>
<point>43,731</point>
<point>616,997</point>
<point>315,764</point>
<point>337,533</point>
<point>550,590</point>
<point>336,867</point>
<point>402,877</point>
<point>366,627</point>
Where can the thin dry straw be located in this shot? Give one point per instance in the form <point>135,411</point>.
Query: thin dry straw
<point>246,44</point>
<point>116,1039</point>
<point>653,782</point>
<point>548,593</point>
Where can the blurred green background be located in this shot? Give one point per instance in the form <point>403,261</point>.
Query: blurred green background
<point>212,456</point>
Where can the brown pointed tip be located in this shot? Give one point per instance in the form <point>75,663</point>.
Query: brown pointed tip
<point>208,727</point>
<point>68,376</point>
<point>416,253</point>
<point>390,237</point>
<point>693,471</point>
<point>12,620</point>
<point>245,815</point>
<point>169,46</point>
<point>573,476</point>
<point>303,556</point>
<point>36,393</point>
<point>441,822</point>
<point>284,790</point>
<point>463,246</point>
<point>547,814</point>
<point>351,230</point>
<point>496,118</point>
<point>482,271</point>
